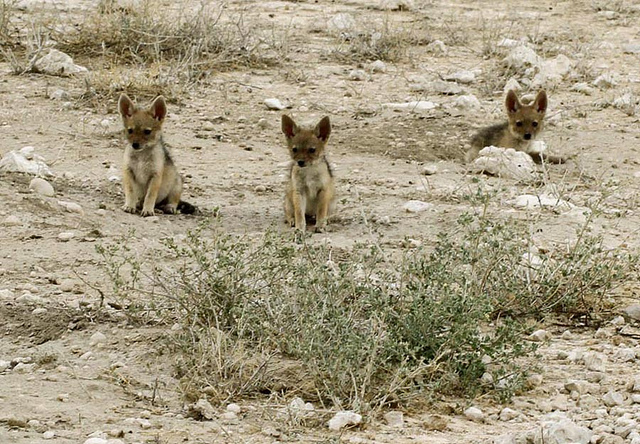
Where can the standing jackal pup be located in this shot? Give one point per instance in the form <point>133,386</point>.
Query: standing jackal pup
<point>310,189</point>
<point>524,124</point>
<point>150,178</point>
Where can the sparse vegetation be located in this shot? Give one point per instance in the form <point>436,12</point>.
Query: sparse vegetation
<point>362,331</point>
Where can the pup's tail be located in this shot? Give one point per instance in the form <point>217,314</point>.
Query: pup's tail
<point>187,208</point>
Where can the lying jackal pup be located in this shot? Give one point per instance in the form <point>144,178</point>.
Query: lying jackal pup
<point>310,189</point>
<point>524,124</point>
<point>150,178</point>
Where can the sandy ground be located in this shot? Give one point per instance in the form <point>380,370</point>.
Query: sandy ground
<point>229,147</point>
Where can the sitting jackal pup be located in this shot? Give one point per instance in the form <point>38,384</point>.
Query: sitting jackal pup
<point>150,178</point>
<point>524,124</point>
<point>310,189</point>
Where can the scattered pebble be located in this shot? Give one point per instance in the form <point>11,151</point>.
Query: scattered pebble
<point>343,419</point>
<point>474,414</point>
<point>358,75</point>
<point>42,187</point>
<point>394,419</point>
<point>274,104</point>
<point>66,236</point>
<point>416,206</point>
<point>97,338</point>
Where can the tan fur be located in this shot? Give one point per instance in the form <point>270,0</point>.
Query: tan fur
<point>150,178</point>
<point>310,190</point>
<point>524,125</point>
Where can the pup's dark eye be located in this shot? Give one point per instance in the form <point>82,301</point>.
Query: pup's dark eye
<point>130,130</point>
<point>312,150</point>
<point>534,124</point>
<point>518,123</point>
<point>147,131</point>
<point>295,150</point>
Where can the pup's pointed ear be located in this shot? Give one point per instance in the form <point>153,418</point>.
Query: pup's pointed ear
<point>541,102</point>
<point>126,105</point>
<point>512,103</point>
<point>323,129</point>
<point>158,108</point>
<point>289,127</point>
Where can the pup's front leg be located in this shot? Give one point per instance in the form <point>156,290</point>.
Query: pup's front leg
<point>151,196</point>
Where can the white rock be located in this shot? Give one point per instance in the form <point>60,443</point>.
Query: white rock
<point>41,186</point>
<point>57,63</point>
<point>66,236</point>
<point>4,365</point>
<point>17,162</point>
<point>96,440</point>
<point>540,336</point>
<point>522,57</point>
<point>67,285</point>
<point>583,88</point>
<point>377,66</point>
<point>468,101</point>
<point>394,419</point>
<point>71,207</point>
<point>618,321</point>
<point>39,311</point>
<point>631,48</point>
<point>486,378</point>
<point>343,419</point>
<point>230,417</point>
<point>416,206</point>
<point>537,147</point>
<point>97,338</point>
<point>632,312</point>
<point>504,163</point>
<point>474,414</point>
<point>437,46</point>
<point>49,434</point>
<point>204,409</point>
<point>530,201</point>
<point>613,398</point>
<point>625,355</point>
<point>513,84</point>
<point>29,298</point>
<point>429,170</point>
<point>21,367</point>
<point>553,71</point>
<point>396,5</point>
<point>235,408</point>
<point>595,362</point>
<point>274,104</point>
<point>260,189</point>
<point>415,106</point>
<point>561,432</point>
<point>12,220</point>
<point>461,77</point>
<point>342,22</point>
<point>605,81</point>
<point>59,94</point>
<point>508,414</point>
<point>357,75</point>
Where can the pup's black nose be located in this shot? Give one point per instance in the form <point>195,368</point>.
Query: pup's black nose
<point>301,163</point>
<point>135,145</point>
<point>527,136</point>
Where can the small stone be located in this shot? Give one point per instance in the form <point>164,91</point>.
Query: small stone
<point>575,386</point>
<point>508,414</point>
<point>229,417</point>
<point>66,236</point>
<point>49,434</point>
<point>595,362</point>
<point>21,367</point>
<point>260,189</point>
<point>429,170</point>
<point>618,321</point>
<point>357,75</point>
<point>540,336</point>
<point>534,380</point>
<point>63,397</point>
<point>263,124</point>
<point>42,187</point>
<point>605,81</point>
<point>274,104</point>
<point>201,410</point>
<point>39,311</point>
<point>625,355</point>
<point>67,285</point>
<point>343,419</point>
<point>436,422</point>
<point>486,378</point>
<point>96,440</point>
<point>394,419</point>
<point>566,335</point>
<point>474,414</point>
<point>97,338</point>
<point>613,398</point>
<point>416,206</point>
<point>235,408</point>
<point>377,66</point>
<point>12,220</point>
<point>632,312</point>
<point>71,207</point>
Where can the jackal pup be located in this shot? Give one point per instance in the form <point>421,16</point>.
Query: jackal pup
<point>310,189</point>
<point>524,124</point>
<point>150,178</point>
